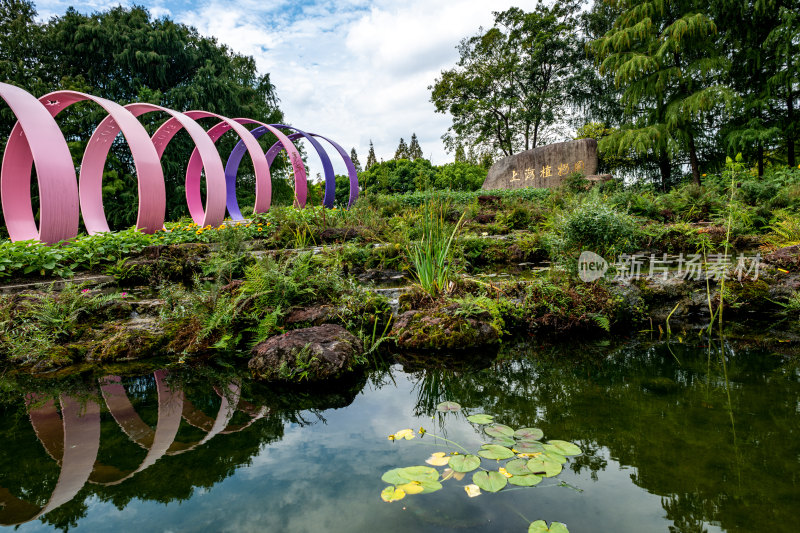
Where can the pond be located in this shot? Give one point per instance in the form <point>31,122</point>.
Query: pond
<point>675,437</point>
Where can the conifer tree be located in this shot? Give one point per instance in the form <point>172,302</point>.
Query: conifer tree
<point>414,149</point>
<point>354,159</point>
<point>371,159</point>
<point>402,150</point>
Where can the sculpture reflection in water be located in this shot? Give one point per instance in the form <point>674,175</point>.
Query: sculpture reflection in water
<point>72,438</point>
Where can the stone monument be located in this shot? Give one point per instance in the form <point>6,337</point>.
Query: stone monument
<point>545,167</point>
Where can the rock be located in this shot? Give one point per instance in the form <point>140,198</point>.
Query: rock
<point>136,339</point>
<point>787,258</point>
<point>310,315</point>
<point>309,354</point>
<point>543,167</point>
<point>439,329</point>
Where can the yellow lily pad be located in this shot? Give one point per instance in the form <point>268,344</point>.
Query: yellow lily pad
<point>392,494</point>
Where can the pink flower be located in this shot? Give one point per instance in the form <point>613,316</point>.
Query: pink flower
<point>124,294</point>
<point>85,291</point>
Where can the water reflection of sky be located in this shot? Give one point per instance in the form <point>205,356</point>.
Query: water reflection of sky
<point>325,475</point>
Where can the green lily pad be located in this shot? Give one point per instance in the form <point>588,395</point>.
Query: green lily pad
<point>504,441</point>
<point>540,526</point>
<point>518,467</point>
<point>490,481</point>
<point>499,430</point>
<point>480,419</point>
<point>418,473</point>
<point>529,433</point>
<point>524,446</point>
<point>430,486</point>
<point>464,463</point>
<point>448,407</point>
<point>393,477</point>
<point>564,448</point>
<point>528,480</point>
<point>553,456</point>
<point>495,451</point>
<point>548,468</point>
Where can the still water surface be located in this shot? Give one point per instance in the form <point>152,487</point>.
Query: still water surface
<point>673,440</point>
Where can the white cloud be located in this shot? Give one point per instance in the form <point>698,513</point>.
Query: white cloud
<point>351,70</point>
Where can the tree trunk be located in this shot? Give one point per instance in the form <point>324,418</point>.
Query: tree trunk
<point>760,155</point>
<point>665,168</point>
<point>790,133</point>
<point>693,160</point>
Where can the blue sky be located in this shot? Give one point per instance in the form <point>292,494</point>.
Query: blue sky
<point>353,70</point>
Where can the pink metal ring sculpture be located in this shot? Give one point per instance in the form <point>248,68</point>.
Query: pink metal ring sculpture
<point>37,140</point>
<point>40,141</point>
<point>91,178</point>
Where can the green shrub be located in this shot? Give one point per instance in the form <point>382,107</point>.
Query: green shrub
<point>598,228</point>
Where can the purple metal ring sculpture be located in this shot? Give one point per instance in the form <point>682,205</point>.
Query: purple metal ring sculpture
<point>37,140</point>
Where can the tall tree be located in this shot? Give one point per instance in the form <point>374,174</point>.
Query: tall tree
<point>354,159</point>
<point>666,55</point>
<point>414,149</point>
<point>371,159</point>
<point>508,86</point>
<point>402,150</point>
<point>461,155</point>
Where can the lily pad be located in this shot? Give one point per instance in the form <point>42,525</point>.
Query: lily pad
<point>548,468</point>
<point>448,407</point>
<point>480,419</point>
<point>540,526</point>
<point>553,456</point>
<point>464,463</point>
<point>524,446</point>
<point>438,459</point>
<point>450,473</point>
<point>529,433</point>
<point>393,477</point>
<point>504,441</point>
<point>495,451</point>
<point>490,481</point>
<point>411,488</point>
<point>498,430</point>
<point>430,486</point>
<point>564,448</point>
<point>528,480</point>
<point>518,467</point>
<point>418,473</point>
<point>392,494</point>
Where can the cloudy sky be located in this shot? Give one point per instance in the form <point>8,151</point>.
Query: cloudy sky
<point>353,70</point>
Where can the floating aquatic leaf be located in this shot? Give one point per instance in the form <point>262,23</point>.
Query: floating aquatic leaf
<point>495,451</point>
<point>418,473</point>
<point>528,480</point>
<point>450,473</point>
<point>540,526</point>
<point>529,433</point>
<point>542,465</point>
<point>464,463</point>
<point>447,407</point>
<point>411,488</point>
<point>553,456</point>
<point>472,490</point>
<point>498,430</point>
<point>480,419</point>
<point>518,467</point>
<point>393,477</point>
<point>407,434</point>
<point>564,448</point>
<point>524,446</point>
<point>504,472</point>
<point>504,441</point>
<point>430,486</point>
<point>392,494</point>
<point>490,481</point>
<point>437,459</point>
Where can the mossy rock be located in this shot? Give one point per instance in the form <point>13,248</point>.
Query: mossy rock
<point>441,329</point>
<point>127,342</point>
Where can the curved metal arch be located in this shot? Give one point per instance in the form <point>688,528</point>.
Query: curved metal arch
<point>40,143</point>
<point>234,159</point>
<point>300,186</point>
<point>352,174</point>
<point>91,176</point>
<point>150,176</point>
